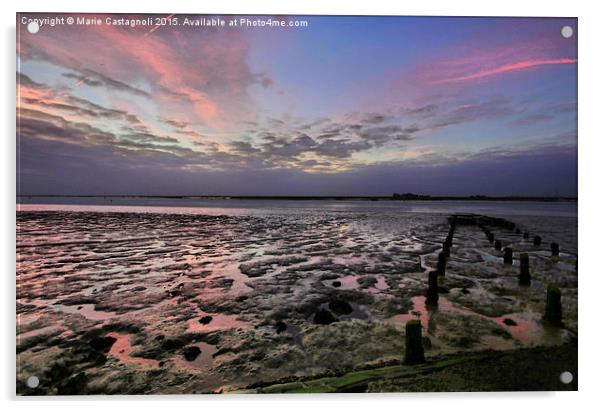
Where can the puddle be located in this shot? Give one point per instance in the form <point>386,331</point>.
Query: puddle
<point>348,282</point>
<point>205,359</point>
<point>528,329</point>
<point>219,322</point>
<point>122,349</point>
<point>381,283</point>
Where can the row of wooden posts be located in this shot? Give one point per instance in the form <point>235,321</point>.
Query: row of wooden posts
<point>414,353</point>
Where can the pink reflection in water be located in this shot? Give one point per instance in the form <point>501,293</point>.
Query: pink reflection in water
<point>218,322</point>
<point>348,282</point>
<point>122,349</point>
<point>528,329</point>
<point>211,211</point>
<point>419,312</point>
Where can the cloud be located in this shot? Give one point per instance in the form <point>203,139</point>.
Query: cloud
<point>531,119</point>
<point>467,62</point>
<point>56,167</point>
<point>422,110</point>
<point>472,110</point>
<point>37,95</point>
<point>384,134</point>
<point>520,65</point>
<point>94,79</point>
<point>199,74</point>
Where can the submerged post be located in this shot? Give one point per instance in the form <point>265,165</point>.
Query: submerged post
<point>414,351</point>
<point>537,241</point>
<point>555,248</point>
<point>526,236</point>
<point>508,255</point>
<point>498,245</point>
<point>490,237</point>
<point>524,277</point>
<point>441,262</point>
<point>553,314</point>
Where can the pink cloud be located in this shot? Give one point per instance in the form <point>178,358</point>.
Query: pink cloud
<point>487,58</point>
<point>506,68</point>
<point>200,74</point>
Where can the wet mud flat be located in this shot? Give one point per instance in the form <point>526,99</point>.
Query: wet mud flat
<point>135,303</point>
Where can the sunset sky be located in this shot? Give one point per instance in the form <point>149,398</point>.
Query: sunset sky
<point>344,106</point>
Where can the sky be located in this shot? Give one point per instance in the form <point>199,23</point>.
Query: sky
<point>346,105</point>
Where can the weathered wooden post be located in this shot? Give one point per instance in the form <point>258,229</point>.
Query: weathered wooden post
<point>498,245</point>
<point>432,294</point>
<point>447,247</point>
<point>414,350</point>
<point>441,263</point>
<point>524,277</point>
<point>537,241</point>
<point>555,248</point>
<point>553,314</point>
<point>508,256</point>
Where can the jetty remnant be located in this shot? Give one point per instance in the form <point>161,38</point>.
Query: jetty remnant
<point>498,245</point>
<point>441,263</point>
<point>414,350</point>
<point>553,314</point>
<point>432,294</point>
<point>524,277</point>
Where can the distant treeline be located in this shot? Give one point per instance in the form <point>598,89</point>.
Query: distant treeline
<point>395,196</point>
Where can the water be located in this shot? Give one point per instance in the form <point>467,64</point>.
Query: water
<point>234,207</point>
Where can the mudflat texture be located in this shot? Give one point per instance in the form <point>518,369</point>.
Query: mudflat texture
<point>145,302</point>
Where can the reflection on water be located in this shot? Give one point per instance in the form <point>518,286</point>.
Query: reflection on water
<point>122,350</point>
<point>235,207</point>
<point>525,327</point>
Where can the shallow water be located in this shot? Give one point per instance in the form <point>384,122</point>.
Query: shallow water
<point>259,206</point>
<point>147,276</point>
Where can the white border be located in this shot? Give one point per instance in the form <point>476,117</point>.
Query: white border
<point>590,197</point>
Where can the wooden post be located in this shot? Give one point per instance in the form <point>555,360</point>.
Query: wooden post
<point>432,294</point>
<point>508,256</point>
<point>414,353</point>
<point>441,263</point>
<point>553,314</point>
<point>524,277</point>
